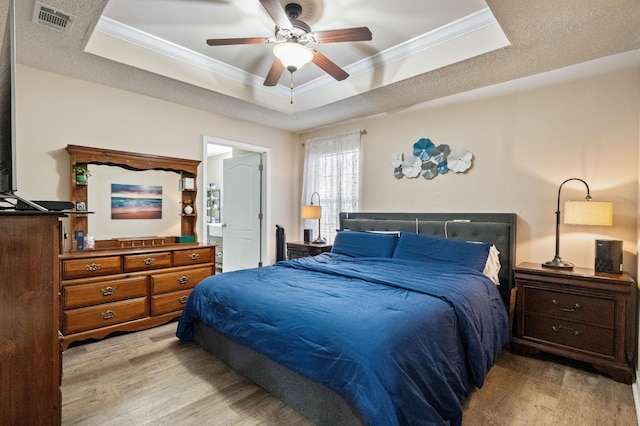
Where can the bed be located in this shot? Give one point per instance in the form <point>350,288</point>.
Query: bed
<point>394,327</point>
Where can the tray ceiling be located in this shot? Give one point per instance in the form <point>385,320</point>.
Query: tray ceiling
<point>168,38</point>
<point>420,51</point>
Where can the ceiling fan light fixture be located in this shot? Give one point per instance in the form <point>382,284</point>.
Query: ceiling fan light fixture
<point>292,55</point>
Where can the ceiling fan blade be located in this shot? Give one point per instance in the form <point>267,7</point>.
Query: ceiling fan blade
<point>274,73</point>
<point>328,66</point>
<point>347,34</point>
<point>277,13</point>
<point>243,40</point>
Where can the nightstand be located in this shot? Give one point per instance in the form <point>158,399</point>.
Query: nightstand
<point>302,249</point>
<point>578,314</point>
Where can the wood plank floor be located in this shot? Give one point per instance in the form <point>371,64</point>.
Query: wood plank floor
<point>150,378</point>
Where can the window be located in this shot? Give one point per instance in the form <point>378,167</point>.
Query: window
<point>332,169</point>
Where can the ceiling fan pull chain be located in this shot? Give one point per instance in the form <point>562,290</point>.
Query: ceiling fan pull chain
<point>291,98</point>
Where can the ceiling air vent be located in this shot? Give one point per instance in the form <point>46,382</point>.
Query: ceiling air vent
<point>52,18</point>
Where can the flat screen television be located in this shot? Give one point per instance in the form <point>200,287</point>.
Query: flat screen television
<point>8,164</point>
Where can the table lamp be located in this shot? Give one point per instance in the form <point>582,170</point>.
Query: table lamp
<point>312,211</point>
<point>587,212</point>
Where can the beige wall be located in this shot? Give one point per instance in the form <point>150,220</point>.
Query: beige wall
<point>54,111</point>
<point>525,143</point>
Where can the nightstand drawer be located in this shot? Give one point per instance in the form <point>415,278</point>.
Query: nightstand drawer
<point>570,334</point>
<point>568,306</point>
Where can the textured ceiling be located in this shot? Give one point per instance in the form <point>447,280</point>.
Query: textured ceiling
<point>168,38</point>
<point>544,35</point>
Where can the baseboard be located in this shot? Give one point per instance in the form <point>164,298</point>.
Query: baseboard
<point>635,387</point>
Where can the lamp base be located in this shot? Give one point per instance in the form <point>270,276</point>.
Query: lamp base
<point>558,263</point>
<point>320,240</point>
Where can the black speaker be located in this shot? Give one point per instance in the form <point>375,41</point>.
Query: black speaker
<point>280,243</point>
<point>608,256</point>
<point>308,235</point>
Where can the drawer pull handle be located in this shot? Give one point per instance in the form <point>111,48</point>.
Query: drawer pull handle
<point>149,261</point>
<point>183,299</point>
<point>571,309</point>
<point>561,327</point>
<point>183,280</point>
<point>108,314</point>
<point>92,267</point>
<point>107,291</point>
<point>194,256</point>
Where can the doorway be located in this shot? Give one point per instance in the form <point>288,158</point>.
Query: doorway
<point>215,152</point>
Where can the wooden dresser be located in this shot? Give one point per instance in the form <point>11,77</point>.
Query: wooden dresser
<point>577,314</point>
<point>30,361</point>
<point>105,291</point>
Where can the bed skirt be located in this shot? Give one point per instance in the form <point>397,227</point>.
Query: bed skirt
<point>313,400</point>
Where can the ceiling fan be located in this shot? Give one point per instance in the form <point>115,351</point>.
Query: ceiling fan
<point>291,39</point>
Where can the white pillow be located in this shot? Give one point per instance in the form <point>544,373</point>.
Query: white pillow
<point>492,267</point>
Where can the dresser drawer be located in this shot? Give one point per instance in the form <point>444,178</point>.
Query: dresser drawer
<point>574,335</point>
<point>76,296</point>
<point>143,262</point>
<point>81,319</point>
<point>169,302</point>
<point>91,267</point>
<point>175,281</point>
<point>568,306</point>
<point>191,257</point>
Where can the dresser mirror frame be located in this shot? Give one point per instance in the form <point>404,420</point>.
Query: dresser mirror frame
<point>84,156</point>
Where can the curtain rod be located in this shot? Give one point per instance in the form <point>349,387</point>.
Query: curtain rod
<point>362,132</point>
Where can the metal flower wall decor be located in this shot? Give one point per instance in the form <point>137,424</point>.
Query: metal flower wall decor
<point>430,161</point>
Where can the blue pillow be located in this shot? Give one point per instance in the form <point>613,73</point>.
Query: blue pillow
<point>364,244</point>
<point>413,246</point>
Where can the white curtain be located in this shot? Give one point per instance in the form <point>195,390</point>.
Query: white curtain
<point>332,169</point>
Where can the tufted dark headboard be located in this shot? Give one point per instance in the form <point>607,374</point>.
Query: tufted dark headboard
<point>496,228</point>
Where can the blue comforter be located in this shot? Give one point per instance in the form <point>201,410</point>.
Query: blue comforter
<point>404,341</point>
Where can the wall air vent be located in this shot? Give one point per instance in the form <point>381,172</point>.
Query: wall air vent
<point>52,18</point>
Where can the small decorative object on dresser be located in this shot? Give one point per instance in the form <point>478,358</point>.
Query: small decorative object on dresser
<point>82,173</point>
<point>303,249</point>
<point>578,314</point>
<point>187,184</point>
<point>188,209</point>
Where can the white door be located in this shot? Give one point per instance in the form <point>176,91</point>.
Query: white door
<point>242,212</point>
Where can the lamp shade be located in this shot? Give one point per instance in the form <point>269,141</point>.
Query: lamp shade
<point>292,55</point>
<point>598,213</point>
<point>311,212</point>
